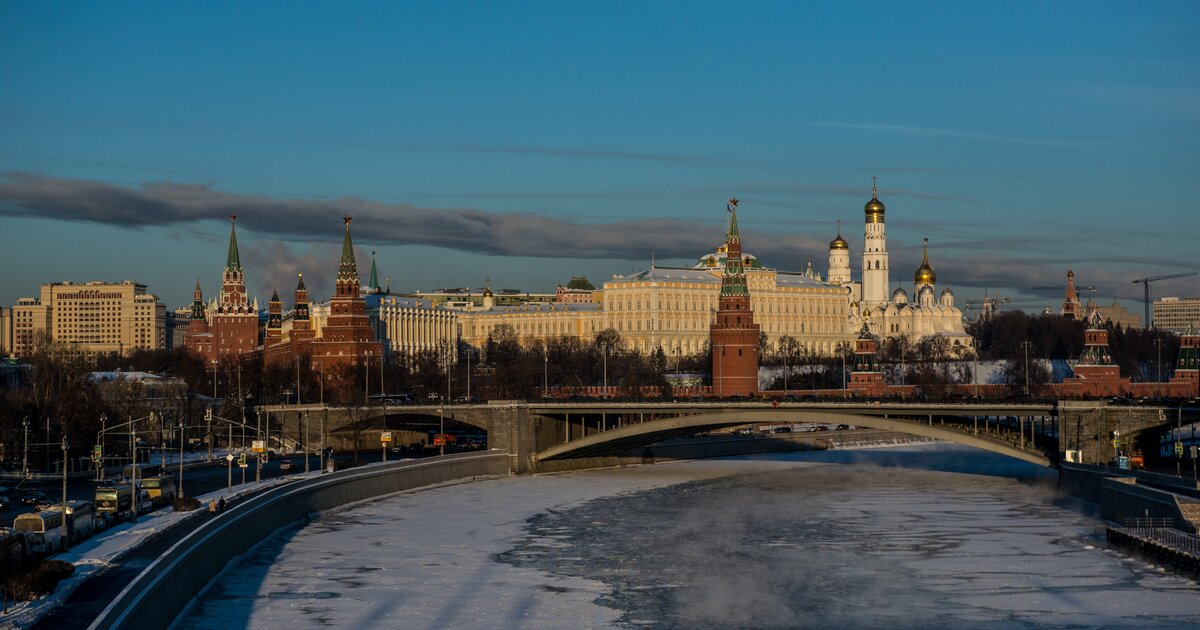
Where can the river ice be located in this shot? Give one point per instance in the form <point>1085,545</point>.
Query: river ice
<point>933,536</point>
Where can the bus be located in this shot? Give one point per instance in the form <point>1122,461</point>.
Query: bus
<point>115,502</point>
<point>161,489</point>
<point>143,471</point>
<point>81,519</point>
<point>42,530</point>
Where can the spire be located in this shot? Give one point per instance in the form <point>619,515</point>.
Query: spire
<point>733,282</point>
<point>198,303</point>
<point>348,269</point>
<point>233,262</point>
<point>388,290</point>
<point>300,287</point>
<point>275,296</point>
<point>732,234</point>
<point>374,281</point>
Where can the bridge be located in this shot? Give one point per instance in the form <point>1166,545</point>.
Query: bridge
<point>537,432</point>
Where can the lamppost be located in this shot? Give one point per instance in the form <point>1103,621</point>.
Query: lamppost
<point>1026,344</point>
<point>1158,343</point>
<point>845,348</point>
<point>258,438</point>
<point>181,441</point>
<point>100,443</point>
<point>66,537</point>
<point>545,369</point>
<point>306,448</point>
<point>721,370</point>
<point>441,430</point>
<point>25,459</point>
<point>137,495</point>
<point>605,348</point>
<point>785,372</point>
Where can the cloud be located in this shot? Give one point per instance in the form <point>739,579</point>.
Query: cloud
<point>163,204</point>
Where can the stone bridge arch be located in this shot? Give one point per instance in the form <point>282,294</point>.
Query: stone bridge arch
<point>642,434</point>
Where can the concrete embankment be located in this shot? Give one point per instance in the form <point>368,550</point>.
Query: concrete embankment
<point>1134,502</point>
<point>167,586</point>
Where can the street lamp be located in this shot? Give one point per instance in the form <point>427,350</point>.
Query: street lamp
<point>441,430</point>
<point>605,348</point>
<point>1158,342</point>
<point>25,459</point>
<point>66,535</point>
<point>1026,344</point>
<point>100,446</point>
<point>545,369</point>
<point>181,440</point>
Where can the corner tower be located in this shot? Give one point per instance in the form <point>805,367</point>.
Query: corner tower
<point>733,337</point>
<point>875,289</point>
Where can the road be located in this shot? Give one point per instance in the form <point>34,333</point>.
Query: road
<point>198,478</point>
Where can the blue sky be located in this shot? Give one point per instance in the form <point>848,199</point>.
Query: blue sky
<point>530,142</point>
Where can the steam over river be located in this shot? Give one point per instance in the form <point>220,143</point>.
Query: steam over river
<point>933,536</point>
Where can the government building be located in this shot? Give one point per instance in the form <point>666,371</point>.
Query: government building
<point>92,317</point>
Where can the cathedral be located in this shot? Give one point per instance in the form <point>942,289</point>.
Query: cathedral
<point>887,313</point>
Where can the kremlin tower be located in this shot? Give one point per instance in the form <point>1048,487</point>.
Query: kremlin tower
<point>1070,306</point>
<point>347,335</point>
<point>734,335</point>
<point>232,327</point>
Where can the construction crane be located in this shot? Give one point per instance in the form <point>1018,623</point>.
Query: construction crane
<point>1063,288</point>
<point>989,305</point>
<point>1146,282</point>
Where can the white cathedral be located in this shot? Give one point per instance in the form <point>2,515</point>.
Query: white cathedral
<point>889,313</point>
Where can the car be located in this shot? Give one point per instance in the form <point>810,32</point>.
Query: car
<point>287,465</point>
<point>4,503</point>
<point>842,427</point>
<point>822,428</point>
<point>783,429</point>
<point>32,497</point>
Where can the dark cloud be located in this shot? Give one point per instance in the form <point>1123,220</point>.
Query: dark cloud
<point>305,220</point>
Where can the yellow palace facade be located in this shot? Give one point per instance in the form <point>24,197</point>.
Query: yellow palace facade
<point>672,308</point>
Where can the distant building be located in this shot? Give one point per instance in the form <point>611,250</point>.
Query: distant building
<point>1070,306</point>
<point>1117,314</point>
<point>93,317</point>
<point>6,331</point>
<point>1176,314</point>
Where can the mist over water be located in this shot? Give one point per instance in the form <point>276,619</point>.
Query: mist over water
<point>934,536</point>
<point>879,541</point>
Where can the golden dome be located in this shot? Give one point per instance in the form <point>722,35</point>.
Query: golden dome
<point>874,208</point>
<point>924,274</point>
<point>839,242</point>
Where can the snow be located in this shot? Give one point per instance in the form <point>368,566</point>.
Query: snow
<point>99,550</point>
<point>571,550</point>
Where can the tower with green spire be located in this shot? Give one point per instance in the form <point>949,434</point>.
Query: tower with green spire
<point>233,282</point>
<point>733,335</point>
<point>347,336</point>
<point>231,328</point>
<point>373,283</point>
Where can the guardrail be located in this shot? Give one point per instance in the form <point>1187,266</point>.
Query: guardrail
<point>167,587</point>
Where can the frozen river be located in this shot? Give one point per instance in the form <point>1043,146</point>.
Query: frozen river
<point>933,536</point>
